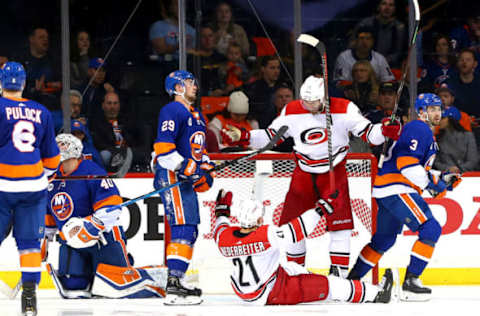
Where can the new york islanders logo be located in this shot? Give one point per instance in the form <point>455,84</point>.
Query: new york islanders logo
<point>197,144</point>
<point>314,136</point>
<point>62,205</point>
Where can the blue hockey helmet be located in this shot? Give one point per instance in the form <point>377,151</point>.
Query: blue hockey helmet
<point>425,100</point>
<point>13,76</point>
<point>177,77</point>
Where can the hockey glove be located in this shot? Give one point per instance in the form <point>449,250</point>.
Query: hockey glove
<point>224,201</point>
<point>391,128</point>
<point>451,179</point>
<point>436,187</point>
<point>206,178</point>
<point>188,170</point>
<point>235,136</point>
<point>324,207</point>
<point>83,232</point>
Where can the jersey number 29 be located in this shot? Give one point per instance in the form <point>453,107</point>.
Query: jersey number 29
<point>168,125</point>
<point>251,268</point>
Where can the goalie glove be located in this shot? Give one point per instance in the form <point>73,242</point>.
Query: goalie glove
<point>83,232</point>
<point>235,136</point>
<point>223,204</point>
<point>436,187</point>
<point>324,207</point>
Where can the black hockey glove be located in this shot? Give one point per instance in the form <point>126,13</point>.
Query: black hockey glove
<point>224,201</point>
<point>324,207</point>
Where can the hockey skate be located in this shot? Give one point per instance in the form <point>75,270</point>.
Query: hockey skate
<point>386,284</point>
<point>181,293</point>
<point>29,299</point>
<point>413,289</point>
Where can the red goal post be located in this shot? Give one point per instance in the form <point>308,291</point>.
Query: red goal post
<point>239,178</point>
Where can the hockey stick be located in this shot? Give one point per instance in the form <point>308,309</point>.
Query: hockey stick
<point>268,146</point>
<point>8,291</point>
<point>413,39</point>
<point>314,42</point>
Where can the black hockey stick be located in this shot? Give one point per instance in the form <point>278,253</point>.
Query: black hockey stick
<point>316,43</point>
<point>273,141</point>
<point>413,39</point>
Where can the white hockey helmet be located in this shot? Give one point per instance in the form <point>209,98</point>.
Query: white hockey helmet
<point>249,212</point>
<point>69,145</point>
<point>312,89</point>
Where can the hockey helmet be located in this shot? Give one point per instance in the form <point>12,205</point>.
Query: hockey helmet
<point>13,76</point>
<point>69,145</point>
<point>425,100</point>
<point>249,212</point>
<point>312,89</point>
<point>177,77</point>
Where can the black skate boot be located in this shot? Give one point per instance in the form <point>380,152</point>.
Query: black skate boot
<point>181,293</point>
<point>29,299</point>
<point>334,270</point>
<point>386,284</point>
<point>413,289</point>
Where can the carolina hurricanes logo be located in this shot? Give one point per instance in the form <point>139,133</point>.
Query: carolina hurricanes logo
<point>314,136</point>
<point>62,205</point>
<point>197,143</point>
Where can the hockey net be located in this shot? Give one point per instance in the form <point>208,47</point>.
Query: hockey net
<point>240,179</point>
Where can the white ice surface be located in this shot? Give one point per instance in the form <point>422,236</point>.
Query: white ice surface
<point>446,300</point>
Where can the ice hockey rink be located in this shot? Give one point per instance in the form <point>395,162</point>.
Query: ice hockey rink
<point>446,300</point>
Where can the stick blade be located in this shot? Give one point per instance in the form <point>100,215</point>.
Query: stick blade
<point>308,39</point>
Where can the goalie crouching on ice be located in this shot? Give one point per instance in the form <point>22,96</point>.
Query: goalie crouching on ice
<point>93,258</point>
<point>261,273</point>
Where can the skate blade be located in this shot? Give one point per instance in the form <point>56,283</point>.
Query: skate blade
<point>407,296</point>
<point>29,313</point>
<point>175,300</point>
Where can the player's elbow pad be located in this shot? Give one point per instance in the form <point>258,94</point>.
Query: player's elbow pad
<point>417,175</point>
<point>374,135</point>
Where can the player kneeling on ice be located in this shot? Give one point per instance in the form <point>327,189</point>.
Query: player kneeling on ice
<point>93,258</point>
<point>261,273</point>
<point>397,191</point>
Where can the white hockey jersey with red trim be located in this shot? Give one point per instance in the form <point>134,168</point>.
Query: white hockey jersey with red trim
<point>310,134</point>
<point>257,255</point>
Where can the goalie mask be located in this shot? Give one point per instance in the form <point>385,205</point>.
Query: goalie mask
<point>249,212</point>
<point>69,145</point>
<point>312,94</point>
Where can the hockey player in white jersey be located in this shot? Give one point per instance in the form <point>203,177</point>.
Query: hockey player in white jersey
<point>262,276</point>
<point>309,188</point>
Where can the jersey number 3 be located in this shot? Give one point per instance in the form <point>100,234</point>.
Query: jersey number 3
<point>249,264</point>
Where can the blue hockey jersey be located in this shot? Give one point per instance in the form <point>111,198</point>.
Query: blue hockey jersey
<point>407,162</point>
<point>28,151</point>
<point>79,198</point>
<point>180,135</point>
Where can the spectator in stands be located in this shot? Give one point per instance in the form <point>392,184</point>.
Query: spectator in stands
<point>205,60</point>
<point>466,84</point>
<point>281,97</point>
<point>390,34</point>
<point>79,130</point>
<point>234,71</point>
<point>364,89</point>
<point>235,114</point>
<point>95,89</point>
<point>458,150</point>
<point>363,49</point>
<point>468,35</point>
<point>440,66</point>
<point>227,31</point>
<point>43,70</point>
<point>448,100</point>
<point>260,92</point>
<point>75,104</point>
<point>164,35</point>
<point>81,53</point>
<point>113,135</point>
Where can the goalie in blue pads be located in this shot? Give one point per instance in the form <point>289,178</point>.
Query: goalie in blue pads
<point>93,258</point>
<point>398,186</point>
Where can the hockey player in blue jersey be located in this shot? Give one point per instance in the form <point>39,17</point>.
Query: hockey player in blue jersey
<point>28,155</point>
<point>180,155</point>
<point>93,258</point>
<point>406,172</point>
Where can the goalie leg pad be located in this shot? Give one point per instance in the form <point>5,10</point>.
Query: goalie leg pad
<point>353,291</point>
<point>124,282</point>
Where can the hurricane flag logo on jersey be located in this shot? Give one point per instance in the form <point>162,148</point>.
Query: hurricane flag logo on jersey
<point>197,143</point>
<point>62,205</point>
<point>314,136</point>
